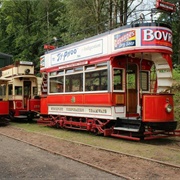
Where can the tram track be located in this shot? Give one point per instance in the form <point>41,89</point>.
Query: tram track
<point>104,160</point>
<point>126,154</point>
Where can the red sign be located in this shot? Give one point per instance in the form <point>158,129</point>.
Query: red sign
<point>165,6</point>
<point>156,37</point>
<point>49,47</point>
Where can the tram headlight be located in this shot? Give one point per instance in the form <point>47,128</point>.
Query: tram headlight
<point>168,108</point>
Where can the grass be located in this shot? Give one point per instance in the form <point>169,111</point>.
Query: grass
<point>176,91</point>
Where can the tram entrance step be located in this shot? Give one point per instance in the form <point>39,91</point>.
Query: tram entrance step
<point>126,129</point>
<point>20,117</point>
<point>128,125</point>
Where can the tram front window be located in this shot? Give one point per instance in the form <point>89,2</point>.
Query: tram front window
<point>2,91</point>
<point>144,80</point>
<point>10,89</point>
<point>27,88</point>
<point>117,81</point>
<point>18,90</point>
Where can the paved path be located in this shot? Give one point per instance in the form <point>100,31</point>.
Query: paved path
<point>19,160</point>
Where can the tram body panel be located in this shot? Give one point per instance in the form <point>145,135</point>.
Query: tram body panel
<point>4,110</point>
<point>87,111</point>
<point>155,108</point>
<point>84,105</point>
<point>43,106</point>
<point>103,99</point>
<point>22,89</point>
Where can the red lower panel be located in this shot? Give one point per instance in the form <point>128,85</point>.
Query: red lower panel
<point>4,107</point>
<point>43,106</point>
<point>18,104</point>
<point>34,105</point>
<point>102,99</point>
<point>154,108</point>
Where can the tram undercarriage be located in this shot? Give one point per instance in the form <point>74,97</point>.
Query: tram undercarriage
<point>122,128</point>
<point>4,120</point>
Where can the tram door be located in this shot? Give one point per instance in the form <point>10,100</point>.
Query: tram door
<point>131,89</point>
<point>27,92</point>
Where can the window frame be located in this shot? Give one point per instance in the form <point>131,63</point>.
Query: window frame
<point>79,70</point>
<point>122,80</point>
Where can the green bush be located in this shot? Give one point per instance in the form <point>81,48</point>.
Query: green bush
<point>176,92</point>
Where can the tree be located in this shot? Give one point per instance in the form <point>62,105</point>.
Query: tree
<point>26,26</point>
<point>90,17</point>
<point>176,36</point>
<point>120,11</point>
<point>173,19</point>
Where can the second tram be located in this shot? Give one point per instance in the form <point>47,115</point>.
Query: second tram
<point>22,91</point>
<point>4,103</point>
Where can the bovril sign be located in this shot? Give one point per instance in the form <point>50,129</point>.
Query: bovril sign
<point>156,37</point>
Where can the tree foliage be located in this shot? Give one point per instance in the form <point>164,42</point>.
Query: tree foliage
<point>25,26</point>
<point>173,19</point>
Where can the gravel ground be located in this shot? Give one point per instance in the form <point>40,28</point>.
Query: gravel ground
<point>19,160</point>
<point>135,168</point>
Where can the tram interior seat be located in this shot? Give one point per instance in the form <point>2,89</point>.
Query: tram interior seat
<point>36,97</point>
<point>117,87</point>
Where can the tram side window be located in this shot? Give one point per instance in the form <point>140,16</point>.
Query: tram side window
<point>10,89</point>
<point>56,84</point>
<point>96,80</point>
<point>18,90</point>
<point>74,83</point>
<point>117,80</point>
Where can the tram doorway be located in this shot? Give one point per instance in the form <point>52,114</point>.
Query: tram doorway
<point>27,92</point>
<point>131,89</point>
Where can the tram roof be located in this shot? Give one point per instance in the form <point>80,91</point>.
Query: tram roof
<point>3,80</point>
<point>133,25</point>
<point>5,59</point>
<point>5,55</point>
<point>24,76</point>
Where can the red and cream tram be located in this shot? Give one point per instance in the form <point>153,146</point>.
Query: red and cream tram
<point>22,90</point>
<point>4,103</point>
<point>116,84</point>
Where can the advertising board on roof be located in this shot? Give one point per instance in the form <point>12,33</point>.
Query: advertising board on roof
<point>114,43</point>
<point>78,52</point>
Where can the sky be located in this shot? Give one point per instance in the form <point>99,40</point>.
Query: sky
<point>144,8</point>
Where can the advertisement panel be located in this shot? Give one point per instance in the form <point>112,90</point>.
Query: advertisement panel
<point>156,37</point>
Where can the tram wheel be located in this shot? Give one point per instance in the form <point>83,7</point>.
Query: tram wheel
<point>96,132</point>
<point>57,125</point>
